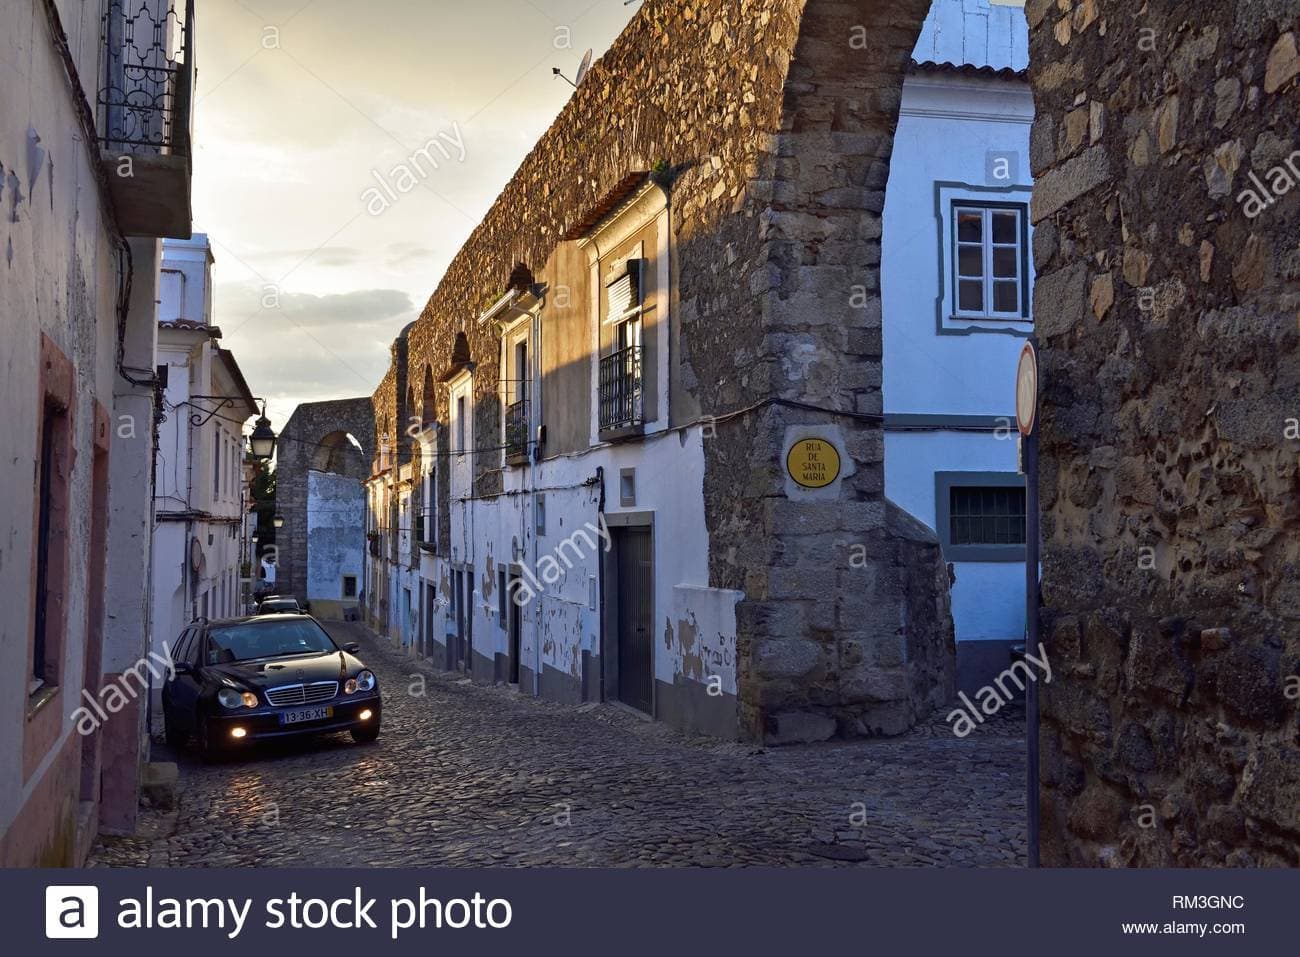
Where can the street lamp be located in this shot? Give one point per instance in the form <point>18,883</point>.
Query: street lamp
<point>262,441</point>
<point>278,521</point>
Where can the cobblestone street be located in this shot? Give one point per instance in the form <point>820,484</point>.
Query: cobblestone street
<point>468,775</point>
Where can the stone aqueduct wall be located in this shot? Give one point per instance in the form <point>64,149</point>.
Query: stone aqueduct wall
<point>1167,320</point>
<point>778,136</point>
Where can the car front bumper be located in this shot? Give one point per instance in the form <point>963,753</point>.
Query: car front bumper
<point>263,724</point>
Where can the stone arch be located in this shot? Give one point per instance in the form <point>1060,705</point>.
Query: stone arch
<point>341,453</point>
<point>428,398</point>
<point>324,450</point>
<point>1166,306</point>
<point>827,165</point>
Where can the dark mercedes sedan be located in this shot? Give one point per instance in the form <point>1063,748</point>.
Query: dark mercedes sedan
<point>270,676</point>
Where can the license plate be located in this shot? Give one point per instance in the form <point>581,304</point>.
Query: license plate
<point>298,715</point>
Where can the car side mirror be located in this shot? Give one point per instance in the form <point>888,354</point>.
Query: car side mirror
<point>352,647</point>
<point>182,668</point>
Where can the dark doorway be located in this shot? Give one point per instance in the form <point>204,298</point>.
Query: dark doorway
<point>635,569</point>
<point>458,596</point>
<point>513,624</point>
<point>430,603</point>
<point>469,623</point>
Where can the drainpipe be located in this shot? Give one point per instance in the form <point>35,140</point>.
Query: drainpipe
<point>534,469</point>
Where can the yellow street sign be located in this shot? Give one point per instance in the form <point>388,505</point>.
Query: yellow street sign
<point>813,463</point>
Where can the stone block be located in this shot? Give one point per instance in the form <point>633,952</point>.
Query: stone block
<point>1270,787</point>
<point>788,658</point>
<point>799,727</point>
<point>1067,182</point>
<point>160,784</point>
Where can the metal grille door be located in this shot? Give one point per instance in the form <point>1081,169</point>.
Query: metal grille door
<point>635,619</point>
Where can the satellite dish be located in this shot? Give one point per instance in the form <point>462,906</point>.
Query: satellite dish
<point>583,68</point>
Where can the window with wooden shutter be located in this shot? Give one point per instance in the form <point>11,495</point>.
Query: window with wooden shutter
<point>623,290</point>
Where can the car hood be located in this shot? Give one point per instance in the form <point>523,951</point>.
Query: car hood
<point>273,672</point>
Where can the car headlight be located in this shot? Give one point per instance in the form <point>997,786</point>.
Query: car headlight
<point>232,698</point>
<point>365,681</point>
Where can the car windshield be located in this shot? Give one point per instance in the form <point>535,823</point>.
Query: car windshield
<point>287,604</point>
<point>267,639</point>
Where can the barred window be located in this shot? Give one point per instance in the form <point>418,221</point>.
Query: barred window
<point>987,515</point>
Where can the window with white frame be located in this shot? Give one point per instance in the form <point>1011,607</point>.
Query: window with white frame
<point>990,262</point>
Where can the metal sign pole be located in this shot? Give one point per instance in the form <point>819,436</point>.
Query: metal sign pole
<point>1027,423</point>
<point>1031,635</point>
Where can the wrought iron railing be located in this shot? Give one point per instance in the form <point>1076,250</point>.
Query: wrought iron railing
<point>619,398</point>
<point>517,429</point>
<point>146,93</point>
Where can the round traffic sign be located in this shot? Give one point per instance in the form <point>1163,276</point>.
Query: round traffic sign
<point>1027,389</point>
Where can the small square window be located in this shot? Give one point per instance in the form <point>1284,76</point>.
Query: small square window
<point>501,597</point>
<point>627,488</point>
<point>349,586</point>
<point>540,509</point>
<point>981,516</point>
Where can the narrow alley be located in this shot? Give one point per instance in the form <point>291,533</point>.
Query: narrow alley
<point>466,775</point>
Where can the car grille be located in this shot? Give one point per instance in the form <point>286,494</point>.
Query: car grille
<point>314,693</point>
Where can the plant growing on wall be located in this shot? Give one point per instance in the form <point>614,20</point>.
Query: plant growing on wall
<point>263,493</point>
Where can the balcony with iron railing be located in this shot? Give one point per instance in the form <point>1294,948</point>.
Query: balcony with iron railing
<point>144,106</point>
<point>517,432</point>
<point>619,396</point>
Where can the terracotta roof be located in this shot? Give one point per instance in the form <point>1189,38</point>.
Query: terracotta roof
<point>607,204</point>
<point>185,325</point>
<point>968,69</point>
<point>233,368</point>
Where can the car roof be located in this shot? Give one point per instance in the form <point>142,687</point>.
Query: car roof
<point>248,619</point>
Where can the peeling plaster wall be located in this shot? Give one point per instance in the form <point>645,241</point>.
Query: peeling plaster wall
<point>336,516</point>
<point>58,276</point>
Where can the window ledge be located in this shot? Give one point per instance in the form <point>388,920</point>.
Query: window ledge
<point>984,553</point>
<point>1026,320</point>
<point>622,432</point>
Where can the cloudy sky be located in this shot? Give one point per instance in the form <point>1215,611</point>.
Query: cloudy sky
<point>306,107</point>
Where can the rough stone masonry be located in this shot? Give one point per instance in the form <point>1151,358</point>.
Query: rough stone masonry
<point>1167,319</point>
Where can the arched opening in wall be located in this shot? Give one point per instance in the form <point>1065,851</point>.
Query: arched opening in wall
<point>956,284</point>
<point>856,97</point>
<point>339,452</point>
<point>383,457</point>
<point>428,399</point>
